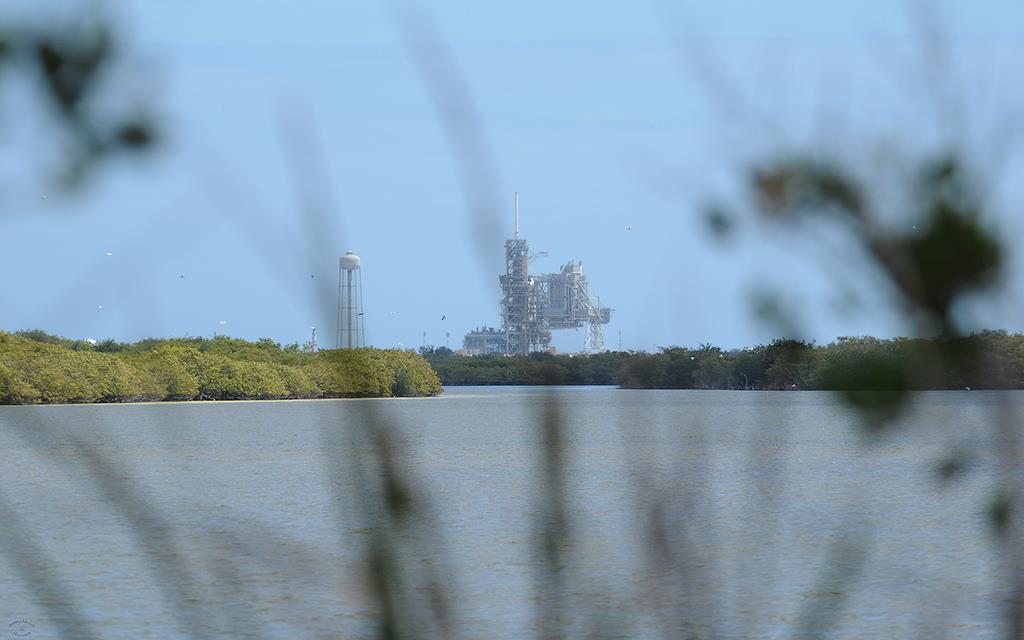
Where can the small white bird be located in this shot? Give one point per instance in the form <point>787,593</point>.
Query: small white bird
<point>44,196</point>
<point>223,322</point>
<point>99,308</point>
<point>110,253</point>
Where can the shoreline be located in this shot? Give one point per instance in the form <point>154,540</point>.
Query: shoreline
<point>538,388</point>
<point>209,402</point>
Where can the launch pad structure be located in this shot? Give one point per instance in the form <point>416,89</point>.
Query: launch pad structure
<point>532,306</point>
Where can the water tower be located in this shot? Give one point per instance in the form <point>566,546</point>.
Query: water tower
<point>350,302</point>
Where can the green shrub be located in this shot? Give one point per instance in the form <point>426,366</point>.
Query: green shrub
<point>221,378</point>
<point>350,373</point>
<point>297,382</point>
<point>14,389</point>
<point>38,367</point>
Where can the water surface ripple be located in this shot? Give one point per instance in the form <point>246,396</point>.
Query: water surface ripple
<point>708,513</point>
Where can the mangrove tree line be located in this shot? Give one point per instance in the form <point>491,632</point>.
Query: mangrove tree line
<point>992,359</point>
<point>36,367</point>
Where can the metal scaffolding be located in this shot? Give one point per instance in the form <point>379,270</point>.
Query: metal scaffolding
<point>534,306</point>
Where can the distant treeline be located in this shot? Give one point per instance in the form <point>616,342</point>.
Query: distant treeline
<point>989,360</point>
<point>36,367</point>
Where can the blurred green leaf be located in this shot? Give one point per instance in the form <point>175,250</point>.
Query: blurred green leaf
<point>999,513</point>
<point>135,134</point>
<point>873,382</point>
<point>799,186</point>
<point>71,62</point>
<point>720,223</point>
<point>951,256</point>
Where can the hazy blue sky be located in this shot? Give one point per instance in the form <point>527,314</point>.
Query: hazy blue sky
<point>602,115</point>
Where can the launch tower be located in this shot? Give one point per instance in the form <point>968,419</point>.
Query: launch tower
<point>532,306</point>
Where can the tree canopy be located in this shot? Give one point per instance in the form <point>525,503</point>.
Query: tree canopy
<point>36,367</point>
<point>988,360</point>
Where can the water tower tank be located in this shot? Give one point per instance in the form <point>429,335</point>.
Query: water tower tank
<point>350,302</point>
<point>349,261</point>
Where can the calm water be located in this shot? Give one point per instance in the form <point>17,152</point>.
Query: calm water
<point>772,512</point>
